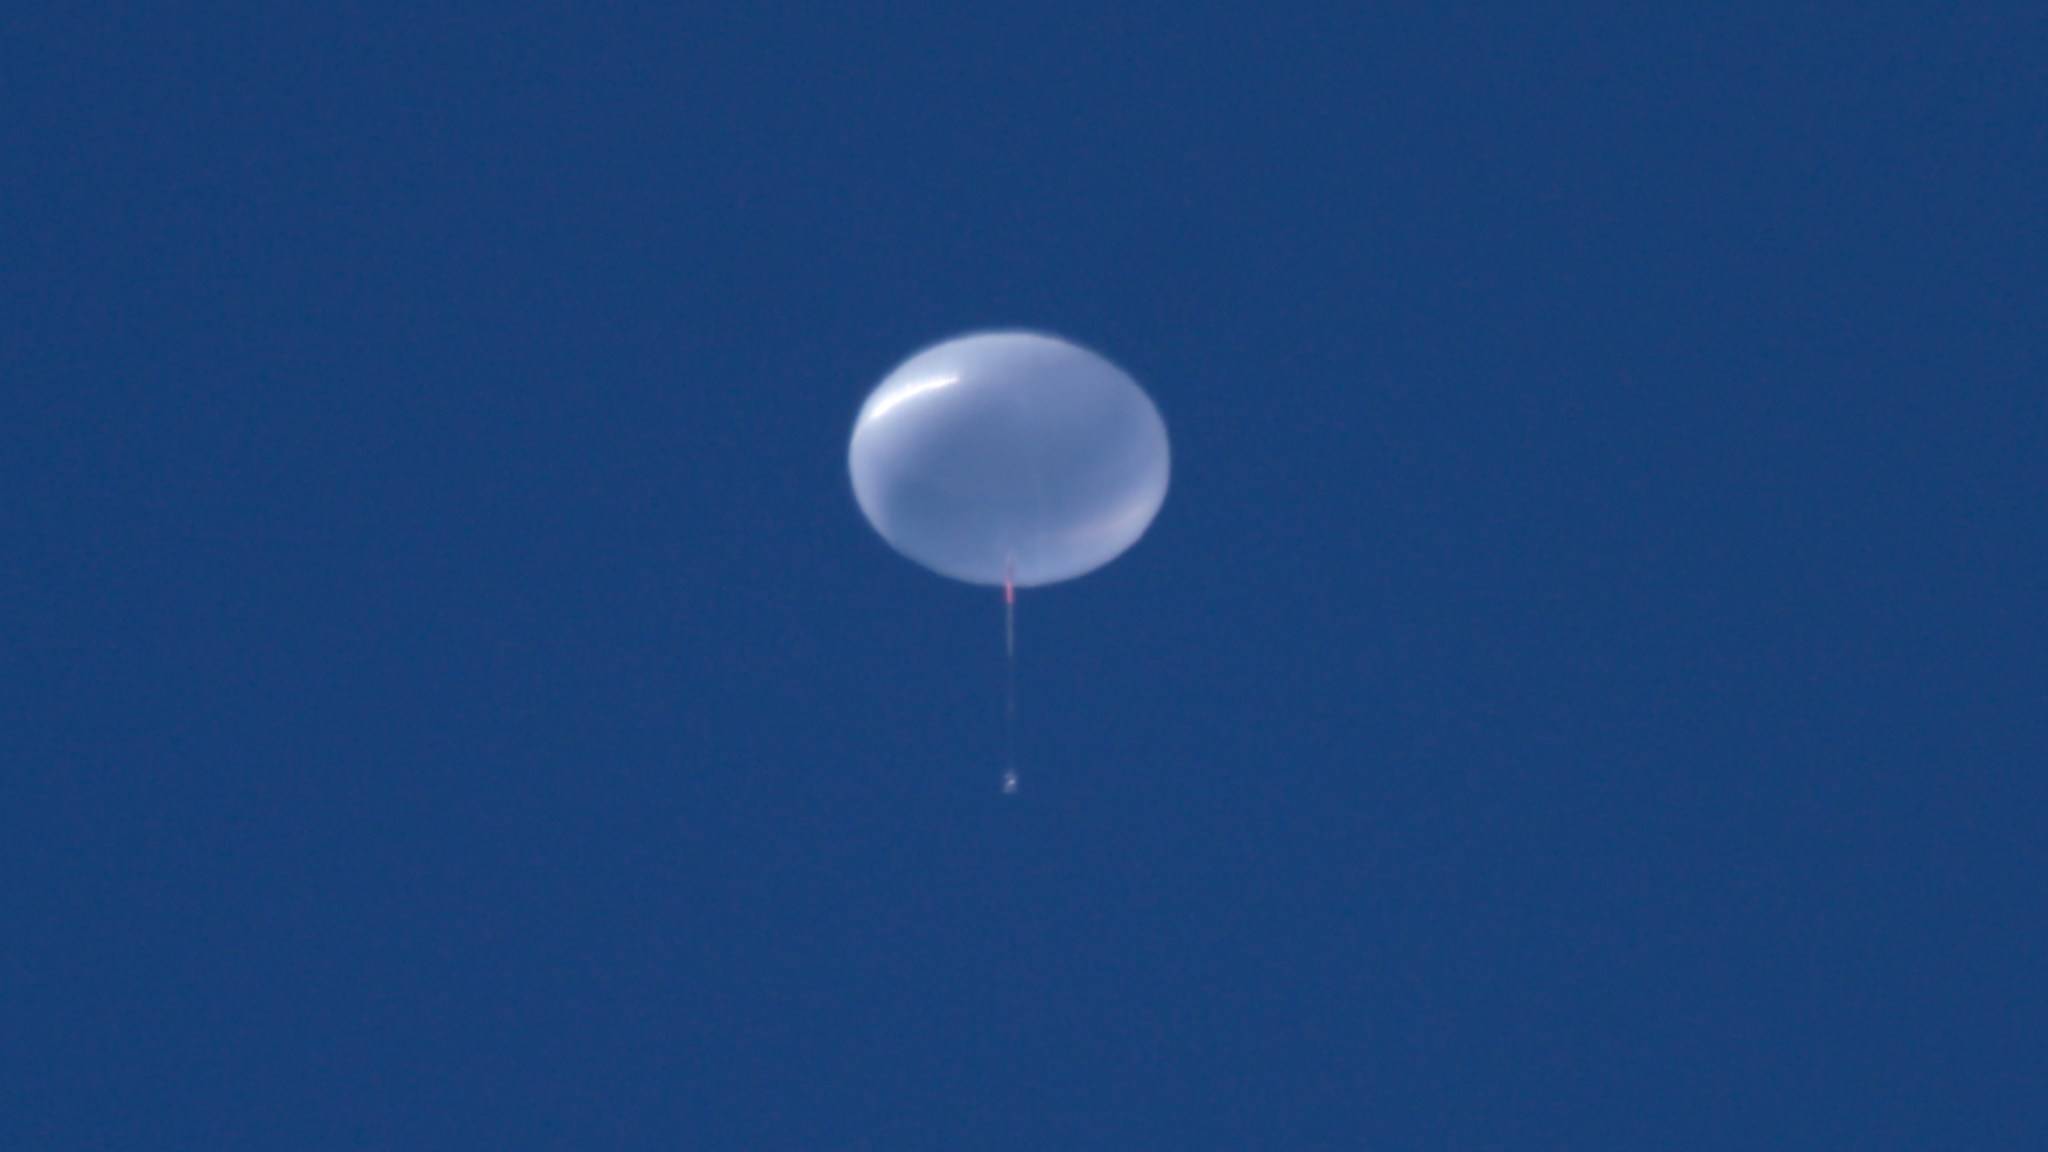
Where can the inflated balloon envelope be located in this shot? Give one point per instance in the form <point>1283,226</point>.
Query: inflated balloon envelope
<point>1009,458</point>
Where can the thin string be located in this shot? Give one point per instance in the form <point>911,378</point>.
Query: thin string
<point>1009,681</point>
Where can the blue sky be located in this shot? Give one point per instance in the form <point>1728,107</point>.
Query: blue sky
<point>1584,688</point>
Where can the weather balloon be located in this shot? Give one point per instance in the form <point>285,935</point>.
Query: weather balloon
<point>1009,458</point>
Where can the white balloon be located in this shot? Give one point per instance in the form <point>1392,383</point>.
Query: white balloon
<point>1009,456</point>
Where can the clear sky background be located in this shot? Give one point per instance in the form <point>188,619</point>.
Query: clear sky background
<point>1586,688</point>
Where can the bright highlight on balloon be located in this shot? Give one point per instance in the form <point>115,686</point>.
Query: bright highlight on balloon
<point>1009,458</point>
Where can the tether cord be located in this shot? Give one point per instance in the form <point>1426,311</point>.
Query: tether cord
<point>1009,680</point>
